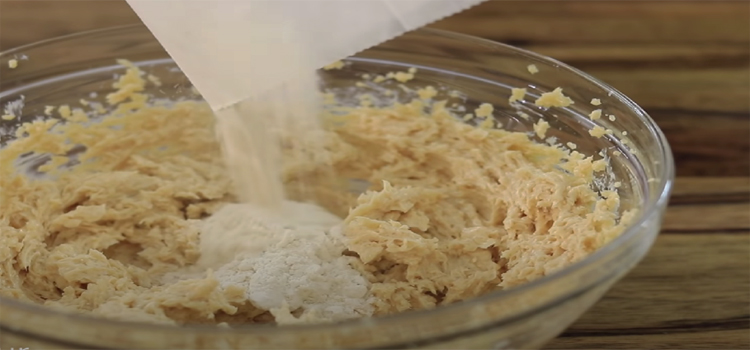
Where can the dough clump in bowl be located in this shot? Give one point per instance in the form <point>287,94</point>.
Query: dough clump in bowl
<point>117,219</point>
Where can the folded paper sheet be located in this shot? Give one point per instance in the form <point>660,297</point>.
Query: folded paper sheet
<point>220,44</point>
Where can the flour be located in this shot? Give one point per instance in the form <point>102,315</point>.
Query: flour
<point>285,261</point>
<point>276,111</point>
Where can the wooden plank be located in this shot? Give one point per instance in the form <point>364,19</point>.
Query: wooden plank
<point>706,143</point>
<point>733,217</point>
<point>708,217</point>
<point>689,287</point>
<point>639,56</point>
<point>709,204</point>
<point>721,339</point>
<point>22,22</point>
<point>706,190</point>
<point>645,10</point>
<point>519,30</point>
<point>715,89</point>
<point>524,22</point>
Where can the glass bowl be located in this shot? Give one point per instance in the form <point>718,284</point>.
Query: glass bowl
<point>66,69</point>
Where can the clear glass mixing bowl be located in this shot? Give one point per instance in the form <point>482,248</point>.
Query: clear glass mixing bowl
<point>67,69</point>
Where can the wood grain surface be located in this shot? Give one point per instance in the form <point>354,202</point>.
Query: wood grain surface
<point>688,64</point>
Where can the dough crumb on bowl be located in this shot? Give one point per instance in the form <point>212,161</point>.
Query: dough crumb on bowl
<point>595,114</point>
<point>516,94</point>
<point>598,131</point>
<point>540,128</point>
<point>427,92</point>
<point>12,63</point>
<point>64,111</point>
<point>554,98</point>
<point>403,77</point>
<point>132,215</point>
<point>484,111</point>
<point>532,69</point>
<point>335,65</point>
<point>154,79</point>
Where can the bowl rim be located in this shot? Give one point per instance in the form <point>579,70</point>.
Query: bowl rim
<point>646,212</point>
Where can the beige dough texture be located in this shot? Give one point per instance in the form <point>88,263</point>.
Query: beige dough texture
<point>451,211</point>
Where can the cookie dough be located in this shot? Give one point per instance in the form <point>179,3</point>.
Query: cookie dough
<point>123,216</point>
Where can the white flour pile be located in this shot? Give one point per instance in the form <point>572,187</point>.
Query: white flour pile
<point>283,262</point>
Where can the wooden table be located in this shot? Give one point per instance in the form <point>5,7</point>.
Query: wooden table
<point>686,63</point>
